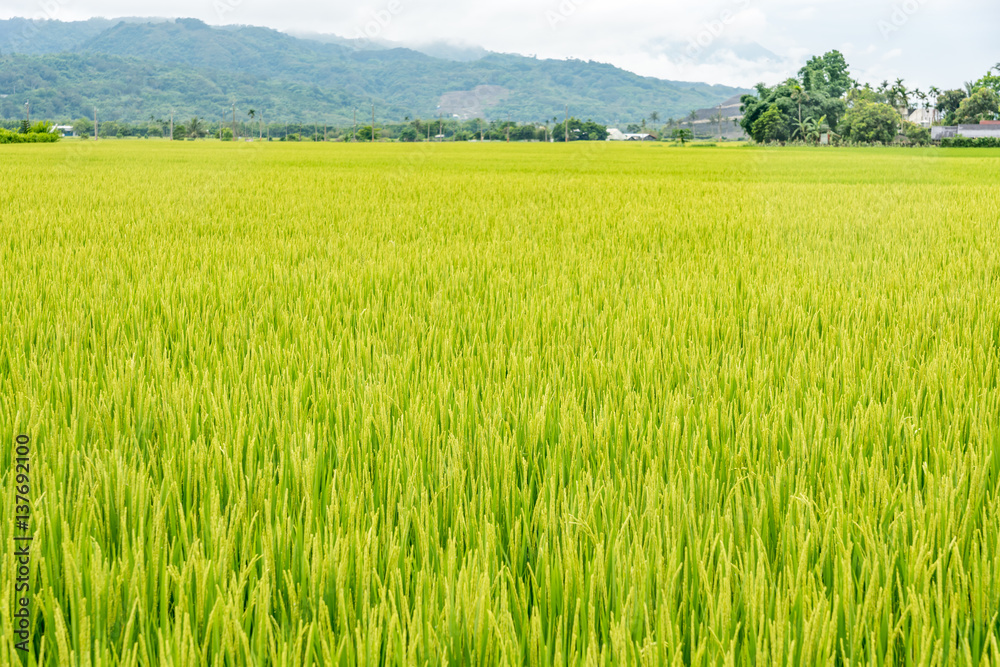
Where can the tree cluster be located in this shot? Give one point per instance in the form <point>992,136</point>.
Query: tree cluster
<point>823,99</point>
<point>40,132</point>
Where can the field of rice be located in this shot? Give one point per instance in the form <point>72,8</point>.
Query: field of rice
<point>320,404</point>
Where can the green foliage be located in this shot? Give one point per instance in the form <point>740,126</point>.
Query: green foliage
<point>409,134</point>
<point>870,123</point>
<point>817,92</point>
<point>31,137</point>
<point>990,81</point>
<point>984,104</point>
<point>579,130</point>
<point>948,103</point>
<point>921,136</point>
<point>195,129</point>
<point>83,127</point>
<point>770,126</point>
<point>966,142</point>
<point>826,75</point>
<point>365,133</point>
<point>682,134</point>
<point>108,128</point>
<point>227,134</point>
<point>865,94</point>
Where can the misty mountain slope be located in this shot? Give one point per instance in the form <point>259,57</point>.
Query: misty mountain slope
<point>194,68</point>
<point>35,37</point>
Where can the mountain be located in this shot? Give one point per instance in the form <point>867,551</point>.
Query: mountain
<point>134,68</point>
<point>38,36</point>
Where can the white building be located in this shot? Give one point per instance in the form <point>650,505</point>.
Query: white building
<point>923,117</point>
<point>615,134</point>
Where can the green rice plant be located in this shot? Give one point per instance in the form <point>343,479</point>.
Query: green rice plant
<point>312,404</point>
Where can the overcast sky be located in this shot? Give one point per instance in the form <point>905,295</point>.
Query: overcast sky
<point>736,42</point>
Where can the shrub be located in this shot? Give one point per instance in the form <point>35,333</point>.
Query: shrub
<point>966,142</point>
<point>917,134</point>
<point>31,137</point>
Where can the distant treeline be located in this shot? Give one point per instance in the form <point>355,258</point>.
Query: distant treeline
<point>20,132</point>
<point>411,130</point>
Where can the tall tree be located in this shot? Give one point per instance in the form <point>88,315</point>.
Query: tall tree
<point>195,128</point>
<point>827,74</point>
<point>934,92</point>
<point>982,105</point>
<point>799,95</point>
<point>901,96</point>
<point>681,134</point>
<point>948,103</point>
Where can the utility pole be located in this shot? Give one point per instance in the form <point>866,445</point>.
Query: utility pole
<point>27,110</point>
<point>171,126</point>
<point>508,128</point>
<point>235,138</point>
<point>95,123</point>
<point>373,123</point>
<point>566,124</point>
<point>480,129</point>
<point>720,121</point>
<point>260,127</point>
<point>355,124</point>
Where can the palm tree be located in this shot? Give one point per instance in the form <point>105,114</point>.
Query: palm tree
<point>935,94</point>
<point>922,96</point>
<point>682,134</point>
<point>801,130</point>
<point>718,117</point>
<point>195,130</point>
<point>654,116</point>
<point>158,122</point>
<point>815,128</point>
<point>799,95</point>
<point>902,95</point>
<point>252,113</point>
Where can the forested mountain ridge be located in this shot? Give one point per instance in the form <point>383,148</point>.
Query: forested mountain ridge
<point>132,69</point>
